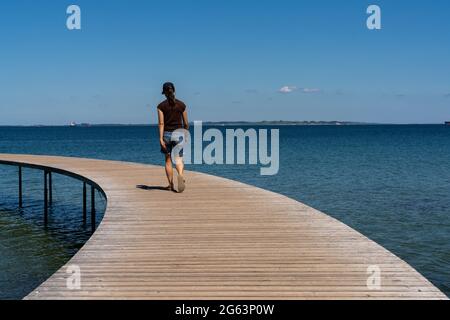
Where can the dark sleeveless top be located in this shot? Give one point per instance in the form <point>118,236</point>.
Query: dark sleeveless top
<point>173,114</point>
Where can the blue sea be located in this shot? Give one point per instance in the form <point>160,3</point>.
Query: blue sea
<point>390,182</point>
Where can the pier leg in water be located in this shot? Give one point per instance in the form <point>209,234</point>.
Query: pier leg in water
<point>45,199</point>
<point>92,209</point>
<point>20,188</point>
<point>50,189</point>
<point>84,203</point>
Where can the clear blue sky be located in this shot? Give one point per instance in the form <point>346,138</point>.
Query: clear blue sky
<point>228,59</point>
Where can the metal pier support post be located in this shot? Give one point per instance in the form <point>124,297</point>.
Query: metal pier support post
<point>84,203</point>
<point>45,198</point>
<point>93,209</point>
<point>50,189</point>
<point>20,188</point>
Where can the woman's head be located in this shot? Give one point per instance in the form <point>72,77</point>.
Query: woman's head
<point>169,91</point>
<point>168,87</point>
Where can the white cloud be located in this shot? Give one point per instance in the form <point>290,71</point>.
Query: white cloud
<point>310,90</point>
<point>290,89</point>
<point>287,89</point>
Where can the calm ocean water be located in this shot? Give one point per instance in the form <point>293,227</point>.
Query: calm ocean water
<point>392,183</point>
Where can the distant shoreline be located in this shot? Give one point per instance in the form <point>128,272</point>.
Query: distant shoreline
<point>237,123</point>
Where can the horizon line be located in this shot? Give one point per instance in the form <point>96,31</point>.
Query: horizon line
<point>268,122</point>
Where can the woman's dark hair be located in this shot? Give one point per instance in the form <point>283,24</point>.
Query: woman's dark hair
<point>168,85</point>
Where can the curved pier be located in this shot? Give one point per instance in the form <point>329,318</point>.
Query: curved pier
<point>220,239</point>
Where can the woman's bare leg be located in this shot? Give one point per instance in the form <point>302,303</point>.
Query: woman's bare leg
<point>179,165</point>
<point>169,170</point>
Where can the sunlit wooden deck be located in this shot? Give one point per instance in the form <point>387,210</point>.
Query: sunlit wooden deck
<point>220,239</point>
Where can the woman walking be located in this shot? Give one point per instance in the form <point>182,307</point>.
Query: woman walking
<point>172,115</point>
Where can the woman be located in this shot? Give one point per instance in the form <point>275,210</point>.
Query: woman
<point>172,115</point>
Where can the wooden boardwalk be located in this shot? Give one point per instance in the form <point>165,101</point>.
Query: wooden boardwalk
<point>220,239</point>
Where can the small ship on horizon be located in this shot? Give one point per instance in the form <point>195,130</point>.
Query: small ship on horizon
<point>74,124</point>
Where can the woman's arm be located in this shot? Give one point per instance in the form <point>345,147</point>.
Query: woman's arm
<point>185,120</point>
<point>161,128</point>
